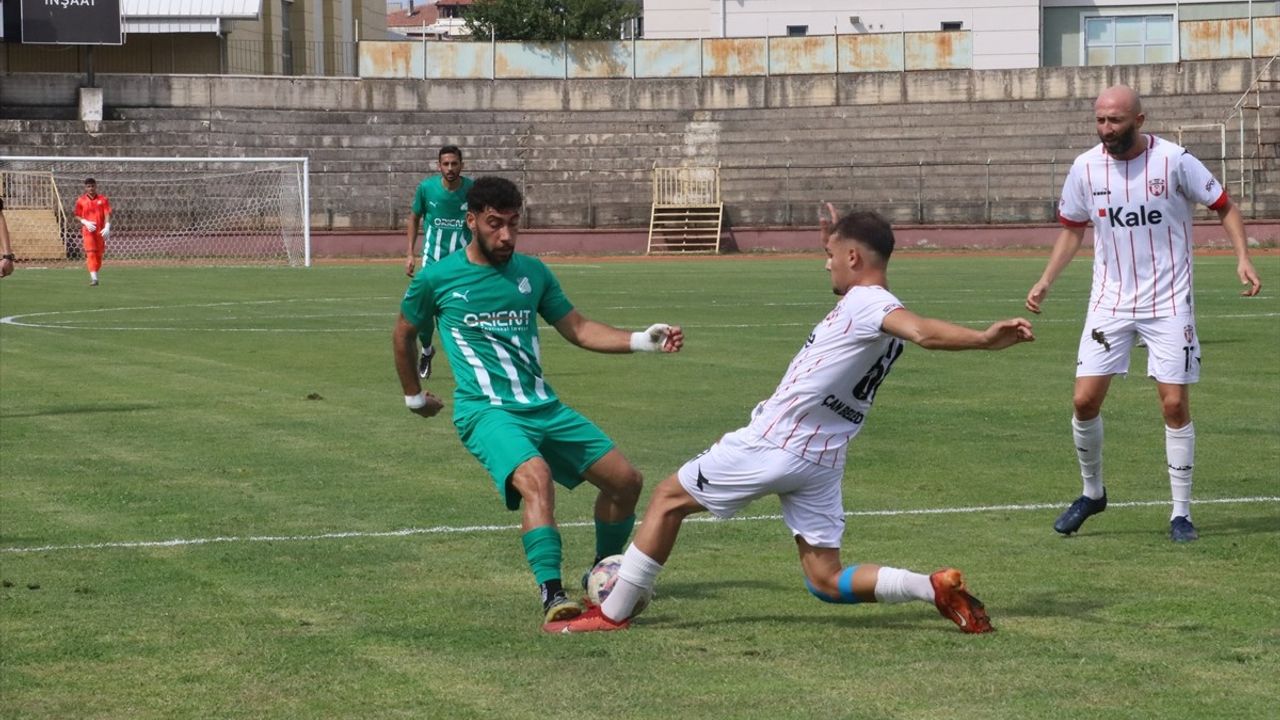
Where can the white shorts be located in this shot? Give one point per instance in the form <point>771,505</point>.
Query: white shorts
<point>742,467</point>
<point>1173,347</point>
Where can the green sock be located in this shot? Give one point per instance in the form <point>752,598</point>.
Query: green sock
<point>611,537</point>
<point>542,551</point>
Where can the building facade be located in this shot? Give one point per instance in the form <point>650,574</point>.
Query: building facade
<point>1004,33</point>
<point>252,37</point>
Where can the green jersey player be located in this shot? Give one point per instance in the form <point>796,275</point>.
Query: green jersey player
<point>440,207</point>
<point>486,300</point>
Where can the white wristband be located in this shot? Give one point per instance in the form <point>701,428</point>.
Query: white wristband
<point>414,402</point>
<point>650,339</point>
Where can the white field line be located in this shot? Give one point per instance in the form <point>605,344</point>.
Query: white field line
<point>57,319</point>
<point>470,529</point>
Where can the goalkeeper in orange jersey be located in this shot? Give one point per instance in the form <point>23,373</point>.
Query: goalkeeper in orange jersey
<point>94,213</point>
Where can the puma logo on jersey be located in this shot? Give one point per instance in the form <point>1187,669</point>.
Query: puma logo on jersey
<point>462,295</point>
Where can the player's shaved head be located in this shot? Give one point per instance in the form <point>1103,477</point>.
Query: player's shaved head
<point>1122,98</point>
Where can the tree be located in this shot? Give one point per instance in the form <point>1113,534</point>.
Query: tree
<point>550,20</point>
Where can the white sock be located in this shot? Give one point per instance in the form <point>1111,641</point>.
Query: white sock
<point>1088,438</point>
<point>1180,449</point>
<point>635,581</point>
<point>93,276</point>
<point>894,585</point>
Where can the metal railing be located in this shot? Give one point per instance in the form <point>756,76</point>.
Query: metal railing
<point>686,185</point>
<point>315,58</point>
<point>1251,159</point>
<point>980,192</point>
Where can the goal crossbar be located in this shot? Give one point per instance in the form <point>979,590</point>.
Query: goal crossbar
<point>168,209</point>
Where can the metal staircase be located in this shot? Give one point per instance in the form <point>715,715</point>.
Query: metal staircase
<point>34,215</point>
<point>1258,154</point>
<point>687,212</point>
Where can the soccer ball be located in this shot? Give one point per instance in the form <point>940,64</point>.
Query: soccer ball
<point>601,579</point>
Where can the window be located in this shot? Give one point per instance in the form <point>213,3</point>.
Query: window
<point>797,30</point>
<point>1128,40</point>
<point>952,25</point>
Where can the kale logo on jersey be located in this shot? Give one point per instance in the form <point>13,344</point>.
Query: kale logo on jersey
<point>1155,187</point>
<point>1140,218</point>
<point>524,287</point>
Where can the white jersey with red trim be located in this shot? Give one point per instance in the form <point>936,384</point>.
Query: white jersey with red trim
<point>1142,211</point>
<point>829,387</point>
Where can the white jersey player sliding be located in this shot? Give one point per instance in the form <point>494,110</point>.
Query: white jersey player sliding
<point>795,444</point>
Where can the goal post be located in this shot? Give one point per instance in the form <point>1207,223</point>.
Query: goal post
<point>165,210</point>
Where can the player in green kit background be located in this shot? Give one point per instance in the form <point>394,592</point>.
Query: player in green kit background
<point>440,206</point>
<point>487,300</point>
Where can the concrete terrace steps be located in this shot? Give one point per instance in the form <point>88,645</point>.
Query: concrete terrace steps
<point>594,167</point>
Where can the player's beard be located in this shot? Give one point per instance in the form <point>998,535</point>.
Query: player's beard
<point>1122,143</point>
<point>489,254</point>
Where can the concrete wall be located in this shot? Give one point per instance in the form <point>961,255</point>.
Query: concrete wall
<point>709,57</point>
<point>686,94</point>
<point>925,147</point>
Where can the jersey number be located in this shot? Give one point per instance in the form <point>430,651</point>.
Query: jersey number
<point>867,386</point>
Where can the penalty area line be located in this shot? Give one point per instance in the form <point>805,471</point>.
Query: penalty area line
<point>465,529</point>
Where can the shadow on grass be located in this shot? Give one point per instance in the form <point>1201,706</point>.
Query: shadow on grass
<point>868,617</point>
<point>713,588</point>
<point>1239,526</point>
<point>79,409</point>
<point>1252,525</point>
<point>1078,606</point>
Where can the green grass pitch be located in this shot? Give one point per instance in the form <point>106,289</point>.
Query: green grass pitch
<point>337,557</point>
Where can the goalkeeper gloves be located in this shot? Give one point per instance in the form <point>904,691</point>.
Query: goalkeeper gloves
<point>106,229</point>
<point>89,225</point>
<point>651,339</point>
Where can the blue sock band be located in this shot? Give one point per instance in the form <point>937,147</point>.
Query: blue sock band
<point>844,585</point>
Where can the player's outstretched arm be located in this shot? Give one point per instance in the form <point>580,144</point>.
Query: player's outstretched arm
<point>599,337</point>
<point>935,334</point>
<point>6,247</point>
<point>410,258</point>
<point>1064,248</point>
<point>404,342</point>
<point>1233,223</point>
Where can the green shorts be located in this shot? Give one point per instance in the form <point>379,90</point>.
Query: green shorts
<point>502,439</point>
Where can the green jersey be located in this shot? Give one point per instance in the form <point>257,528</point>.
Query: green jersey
<point>489,328</point>
<point>444,217</point>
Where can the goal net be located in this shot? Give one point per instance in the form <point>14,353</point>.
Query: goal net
<point>164,210</point>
